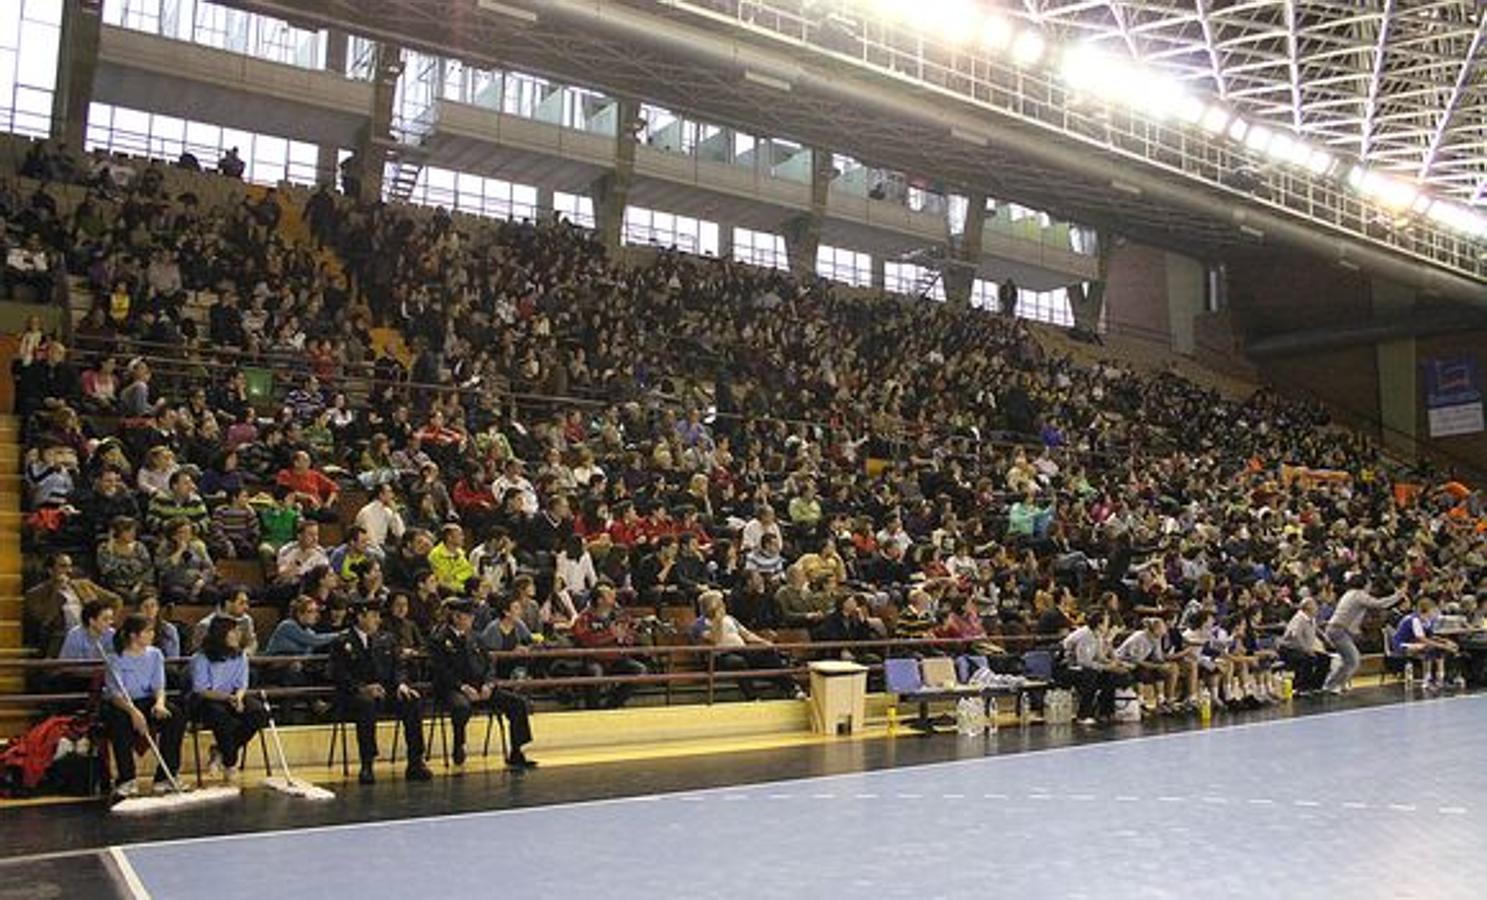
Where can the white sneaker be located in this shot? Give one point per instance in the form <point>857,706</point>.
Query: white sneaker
<point>126,789</point>
<point>1458,683</point>
<point>801,695</point>
<point>162,787</point>
<point>214,762</point>
<point>230,775</point>
<point>1088,721</point>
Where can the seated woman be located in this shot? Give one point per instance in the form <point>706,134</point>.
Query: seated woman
<point>747,650</point>
<point>124,564</point>
<point>135,704</point>
<point>401,625</point>
<point>219,696</point>
<point>964,624</point>
<point>167,637</point>
<point>187,574</point>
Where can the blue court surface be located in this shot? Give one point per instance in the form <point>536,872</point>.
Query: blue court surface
<point>1387,801</point>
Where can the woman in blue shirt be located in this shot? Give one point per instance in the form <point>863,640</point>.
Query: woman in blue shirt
<point>136,704</point>
<point>219,695</point>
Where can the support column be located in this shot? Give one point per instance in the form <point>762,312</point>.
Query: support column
<point>880,273</point>
<point>1088,303</point>
<point>77,65</point>
<point>802,233</point>
<point>611,191</point>
<point>328,159</point>
<point>376,138</point>
<point>544,203</point>
<point>964,257</point>
<point>1398,368</point>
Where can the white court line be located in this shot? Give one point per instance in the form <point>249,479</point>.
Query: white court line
<point>1102,746</point>
<point>1453,810</point>
<point>132,882</point>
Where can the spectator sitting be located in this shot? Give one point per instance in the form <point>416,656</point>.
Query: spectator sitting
<point>314,493</point>
<point>233,605</point>
<point>235,530</point>
<point>766,559</point>
<point>186,572</point>
<point>450,565</point>
<point>604,625</point>
<point>747,650</point>
<point>55,606</point>
<point>350,554</point>
<point>124,563</point>
<point>379,520</point>
<point>95,630</point>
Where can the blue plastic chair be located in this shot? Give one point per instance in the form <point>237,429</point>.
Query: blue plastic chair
<point>1038,665</point>
<point>968,665</point>
<point>902,676</point>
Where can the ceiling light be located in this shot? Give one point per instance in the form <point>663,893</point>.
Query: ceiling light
<point>1190,109</point>
<point>1238,128</point>
<point>1215,120</point>
<point>1423,204</point>
<point>1281,147</point>
<point>1319,162</point>
<point>956,20</point>
<point>1028,48</point>
<point>1258,138</point>
<point>996,34</point>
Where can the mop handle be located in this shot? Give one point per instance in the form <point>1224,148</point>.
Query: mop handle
<point>149,738</point>
<point>274,730</point>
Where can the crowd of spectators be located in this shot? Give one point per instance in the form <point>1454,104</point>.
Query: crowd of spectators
<point>775,454</point>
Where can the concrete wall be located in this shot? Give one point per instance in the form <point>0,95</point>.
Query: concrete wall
<point>1155,294</point>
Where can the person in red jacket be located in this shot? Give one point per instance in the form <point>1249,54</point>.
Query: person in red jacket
<point>316,493</point>
<point>604,624</point>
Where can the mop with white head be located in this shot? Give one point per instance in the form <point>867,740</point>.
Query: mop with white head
<point>287,783</point>
<point>179,797</point>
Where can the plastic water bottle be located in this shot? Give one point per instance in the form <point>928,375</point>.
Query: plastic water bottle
<point>1024,709</point>
<point>1287,686</point>
<point>991,716</point>
<point>1205,706</point>
<point>1409,677</point>
<point>893,720</point>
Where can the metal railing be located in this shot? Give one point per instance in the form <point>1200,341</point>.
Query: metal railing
<point>991,82</point>
<point>708,675</point>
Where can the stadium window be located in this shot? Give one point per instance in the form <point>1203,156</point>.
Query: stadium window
<point>653,227</point>
<point>1045,306</point>
<point>523,94</point>
<point>760,248</point>
<point>847,266</point>
<point>575,208</point>
<point>983,295</point>
<point>267,159</point>
<point>214,25</point>
<point>911,280</point>
<point>30,33</point>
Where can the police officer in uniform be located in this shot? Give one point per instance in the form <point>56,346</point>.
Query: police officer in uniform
<point>465,678</point>
<point>370,676</point>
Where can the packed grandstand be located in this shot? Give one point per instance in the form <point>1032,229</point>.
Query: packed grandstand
<point>312,401</point>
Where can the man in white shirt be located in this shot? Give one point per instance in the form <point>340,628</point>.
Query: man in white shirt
<point>380,518</point>
<point>296,559</point>
<point>1143,650</point>
<point>512,479</point>
<point>763,523</point>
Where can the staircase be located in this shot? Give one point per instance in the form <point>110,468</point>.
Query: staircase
<point>13,720</point>
<point>405,164</point>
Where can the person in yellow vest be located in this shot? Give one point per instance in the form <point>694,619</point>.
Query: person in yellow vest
<point>448,560</point>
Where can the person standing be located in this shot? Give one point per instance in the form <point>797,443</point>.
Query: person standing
<point>1344,625</point>
<point>465,678</point>
<point>370,675</point>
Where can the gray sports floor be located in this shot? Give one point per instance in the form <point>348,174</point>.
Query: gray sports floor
<point>1379,802</point>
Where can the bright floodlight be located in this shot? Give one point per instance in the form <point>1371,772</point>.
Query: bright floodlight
<point>1258,138</point>
<point>1282,147</point>
<point>1215,120</point>
<point>955,20</point>
<point>1238,129</point>
<point>996,34</point>
<point>1319,162</point>
<point>1028,48</point>
<point>1389,192</point>
<point>1082,67</point>
<point>1423,204</point>
<point>1190,109</point>
<point>1356,178</point>
<point>891,10</point>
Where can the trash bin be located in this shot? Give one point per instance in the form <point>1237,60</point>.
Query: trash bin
<point>838,696</point>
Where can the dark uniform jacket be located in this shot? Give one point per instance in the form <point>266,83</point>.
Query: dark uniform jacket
<point>457,659</point>
<point>353,666</point>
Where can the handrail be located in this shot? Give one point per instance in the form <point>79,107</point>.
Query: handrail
<point>709,676</point>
